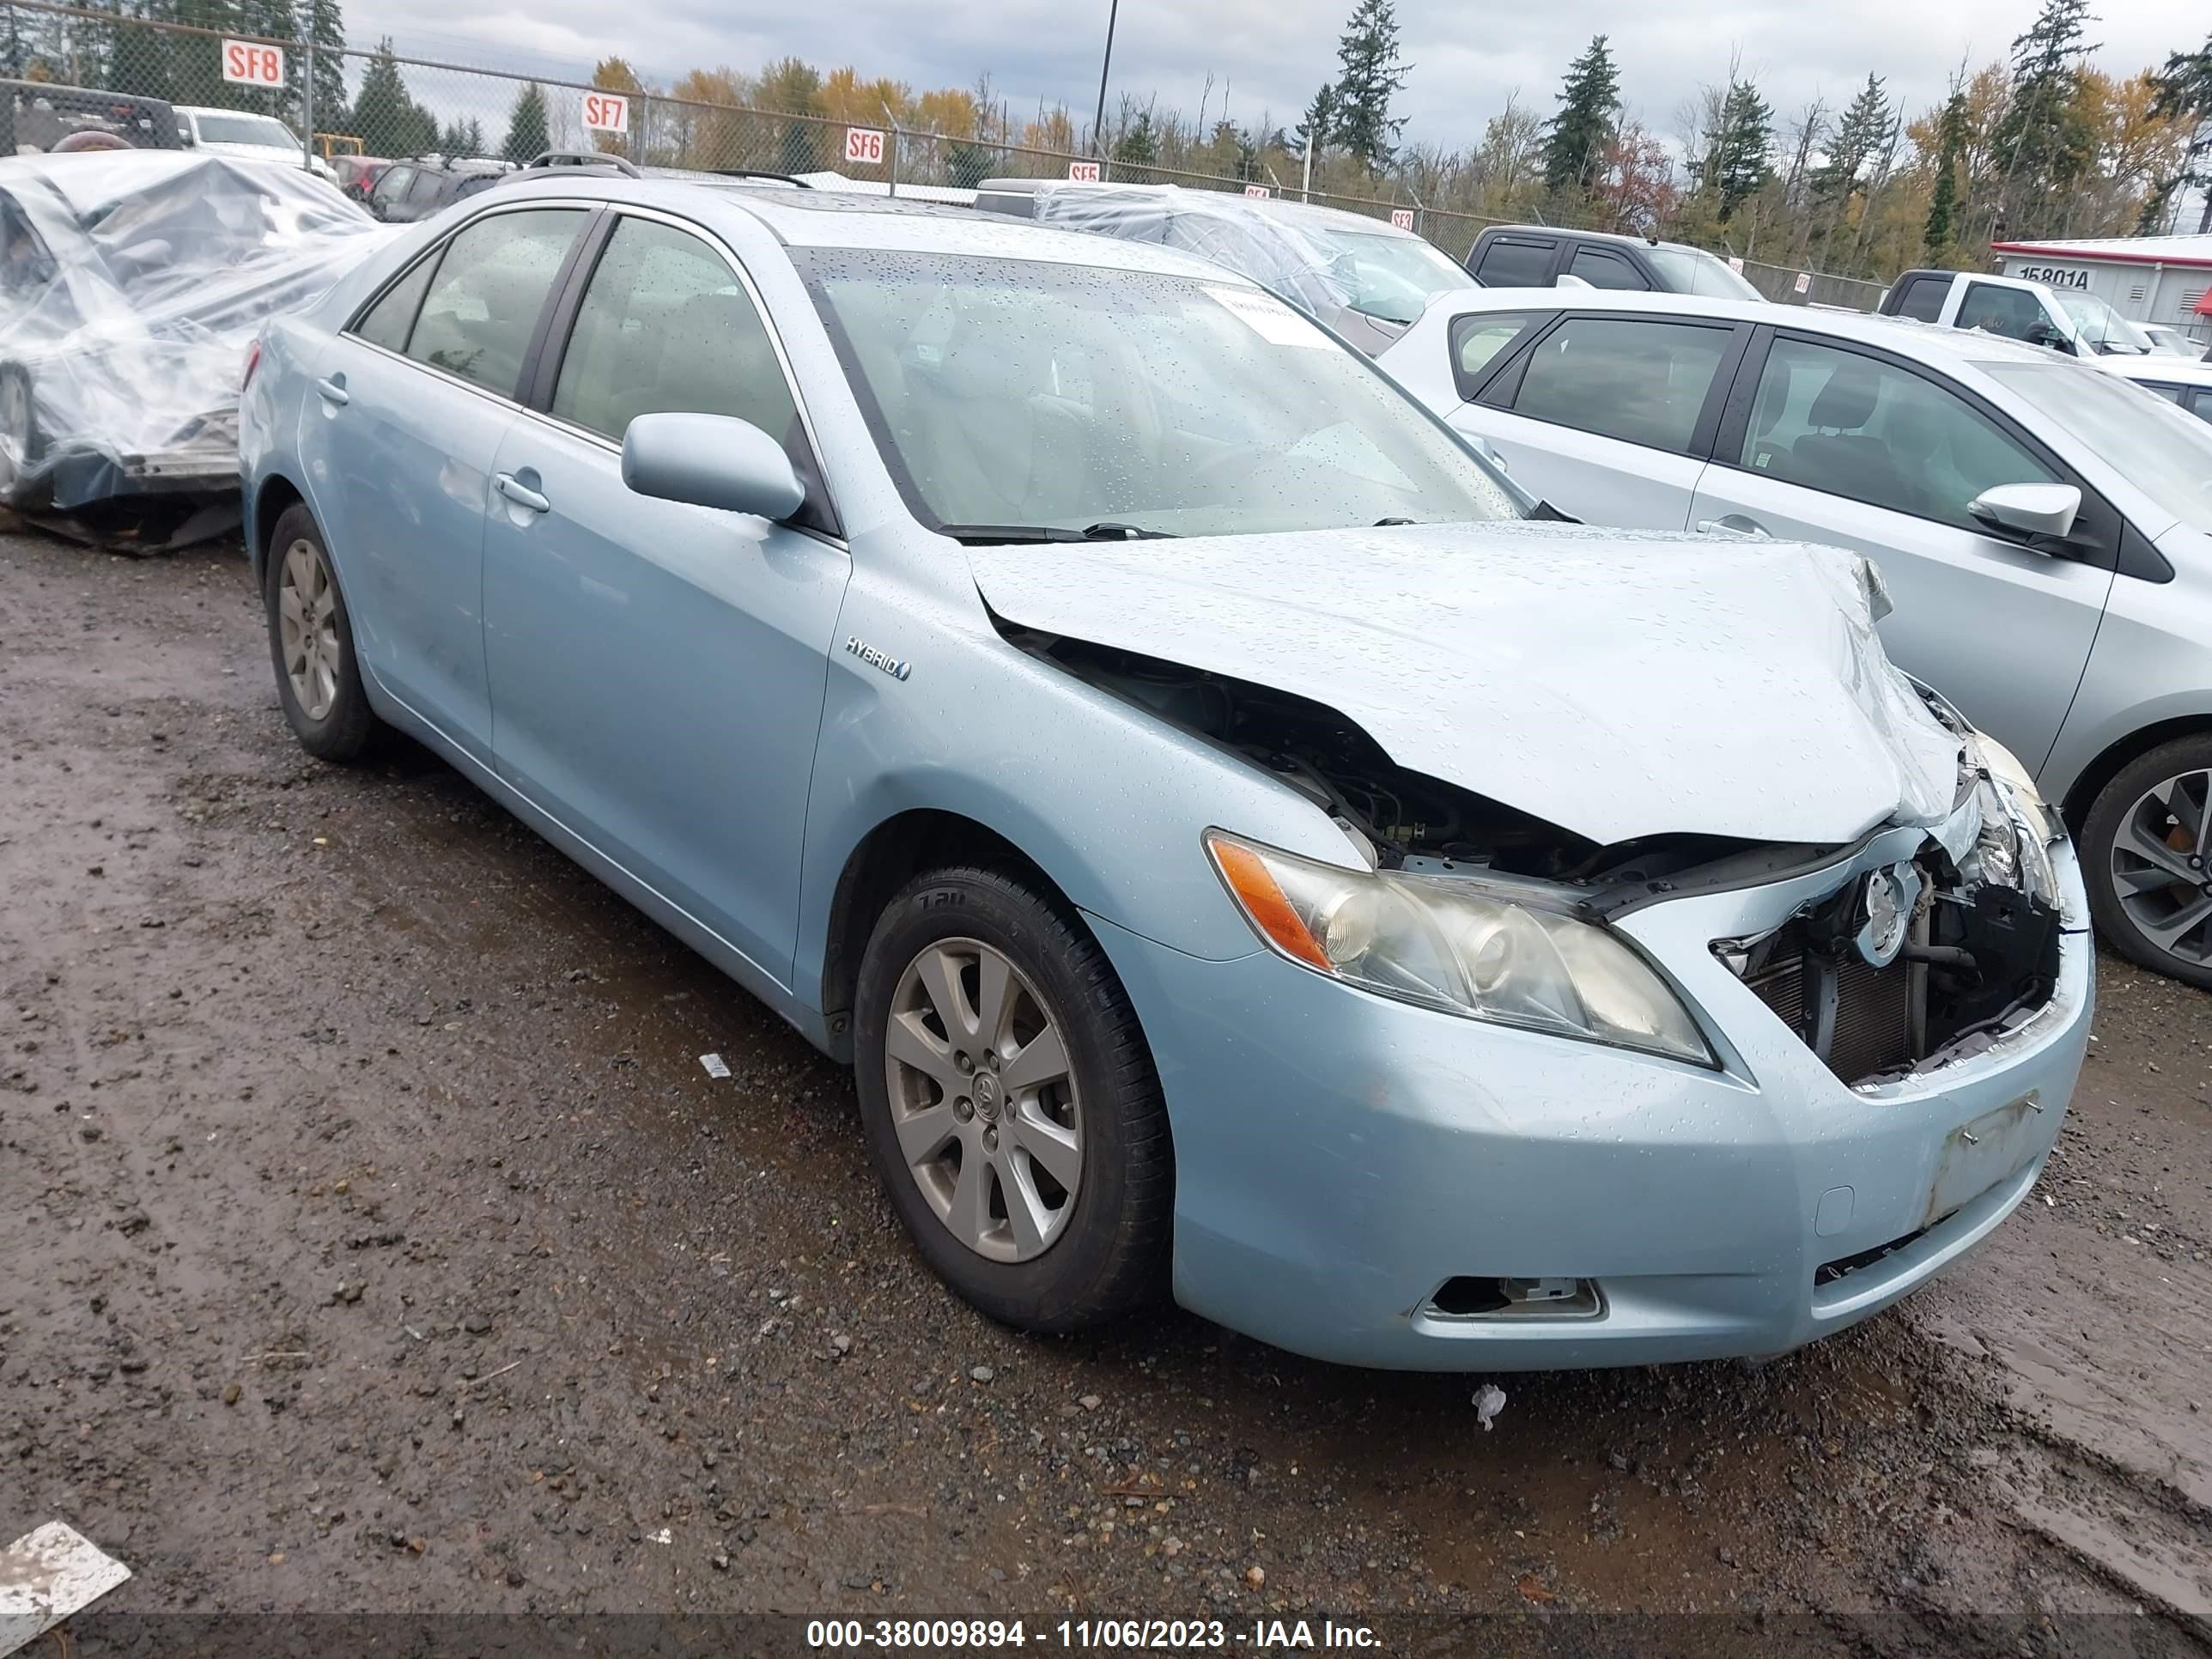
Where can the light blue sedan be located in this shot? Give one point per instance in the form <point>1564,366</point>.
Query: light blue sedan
<point>1237,853</point>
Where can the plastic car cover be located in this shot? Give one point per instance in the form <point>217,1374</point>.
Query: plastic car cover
<point>1265,243</point>
<point>130,287</point>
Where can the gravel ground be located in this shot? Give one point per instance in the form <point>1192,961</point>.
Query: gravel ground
<point>371,1238</point>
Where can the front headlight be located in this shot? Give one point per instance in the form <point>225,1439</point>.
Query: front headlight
<point>2004,766</point>
<point>2015,842</point>
<point>1444,945</point>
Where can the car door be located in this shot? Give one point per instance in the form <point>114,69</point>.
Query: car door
<point>389,191</point>
<point>411,401</point>
<point>1602,267</point>
<point>1607,417</point>
<point>1846,445</point>
<point>657,669</point>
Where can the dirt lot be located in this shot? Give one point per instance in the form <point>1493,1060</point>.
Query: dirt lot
<point>371,1238</point>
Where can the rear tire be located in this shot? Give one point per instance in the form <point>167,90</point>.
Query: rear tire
<point>22,444</point>
<point>311,643</point>
<point>1075,1135</point>
<point>2147,860</point>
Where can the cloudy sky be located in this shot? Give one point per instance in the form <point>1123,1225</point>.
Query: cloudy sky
<point>1469,58</point>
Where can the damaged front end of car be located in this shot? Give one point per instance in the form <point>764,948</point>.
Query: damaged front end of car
<point>1935,940</point>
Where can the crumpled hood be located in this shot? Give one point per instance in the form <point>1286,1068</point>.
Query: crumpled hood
<point>1614,683</point>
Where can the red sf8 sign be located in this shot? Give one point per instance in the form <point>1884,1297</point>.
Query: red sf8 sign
<point>864,147</point>
<point>606,112</point>
<point>247,65</point>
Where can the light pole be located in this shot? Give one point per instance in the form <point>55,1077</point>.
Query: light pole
<point>1098,123</point>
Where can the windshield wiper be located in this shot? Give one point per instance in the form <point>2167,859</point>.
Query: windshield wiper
<point>992,535</point>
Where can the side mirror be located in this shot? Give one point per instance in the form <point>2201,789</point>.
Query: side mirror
<point>2031,511</point>
<point>710,460</point>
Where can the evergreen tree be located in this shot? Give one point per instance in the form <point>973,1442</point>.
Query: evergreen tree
<point>526,134</point>
<point>2185,93</point>
<point>1583,127</point>
<point>1139,145</point>
<point>381,113</point>
<point>1862,134</point>
<point>1740,161</point>
<point>2042,146</point>
<point>1318,130</point>
<point>1370,74</point>
<point>323,23</point>
<point>1943,205</point>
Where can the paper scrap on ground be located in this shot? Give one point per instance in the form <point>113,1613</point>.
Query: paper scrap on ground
<point>1489,1400</point>
<point>46,1576</point>
<point>714,1064</point>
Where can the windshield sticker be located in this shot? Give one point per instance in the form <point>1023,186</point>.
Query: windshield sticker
<point>1270,319</point>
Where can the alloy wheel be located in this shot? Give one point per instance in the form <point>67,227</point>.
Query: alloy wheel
<point>307,628</point>
<point>2158,866</point>
<point>988,1117</point>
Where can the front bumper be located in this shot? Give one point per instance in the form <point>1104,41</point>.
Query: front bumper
<point>1339,1156</point>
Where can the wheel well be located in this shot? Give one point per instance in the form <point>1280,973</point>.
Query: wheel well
<point>276,497</point>
<point>888,856</point>
<point>2107,766</point>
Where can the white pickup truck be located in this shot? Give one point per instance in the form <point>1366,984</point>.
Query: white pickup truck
<point>2079,324</point>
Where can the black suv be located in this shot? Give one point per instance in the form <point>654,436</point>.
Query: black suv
<point>36,115</point>
<point>1538,256</point>
<point>408,190</point>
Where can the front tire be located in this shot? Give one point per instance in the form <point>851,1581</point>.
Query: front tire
<point>311,643</point>
<point>22,444</point>
<point>2147,856</point>
<point>1011,1104</point>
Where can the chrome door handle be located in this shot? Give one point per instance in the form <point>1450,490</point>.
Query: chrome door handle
<point>333,390</point>
<point>521,495</point>
<point>1735,524</point>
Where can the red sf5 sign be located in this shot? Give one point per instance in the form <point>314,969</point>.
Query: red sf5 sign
<point>864,147</point>
<point>1402,217</point>
<point>605,111</point>
<point>1082,172</point>
<point>247,65</point>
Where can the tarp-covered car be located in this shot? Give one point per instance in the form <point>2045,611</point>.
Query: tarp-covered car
<point>131,284</point>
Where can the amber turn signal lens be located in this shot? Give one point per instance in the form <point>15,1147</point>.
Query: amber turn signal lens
<point>1256,890</point>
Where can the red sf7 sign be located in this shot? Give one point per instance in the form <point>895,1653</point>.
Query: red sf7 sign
<point>605,111</point>
<point>864,147</point>
<point>247,63</point>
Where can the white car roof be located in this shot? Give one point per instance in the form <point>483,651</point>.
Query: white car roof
<point>1897,333</point>
<point>2174,371</point>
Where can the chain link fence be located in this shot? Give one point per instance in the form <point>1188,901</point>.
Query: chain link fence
<point>345,100</point>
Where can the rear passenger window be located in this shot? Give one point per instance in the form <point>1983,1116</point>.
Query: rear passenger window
<point>1602,269</point>
<point>1508,263</point>
<point>666,327</point>
<point>1476,342</point>
<point>1923,299</point>
<point>1644,382</point>
<point>483,303</point>
<point>2202,407</point>
<point>386,322</point>
<point>2011,311</point>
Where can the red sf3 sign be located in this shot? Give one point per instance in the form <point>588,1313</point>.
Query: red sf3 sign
<point>1402,217</point>
<point>247,63</point>
<point>605,111</point>
<point>864,147</point>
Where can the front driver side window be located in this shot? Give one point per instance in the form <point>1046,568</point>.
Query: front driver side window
<point>1854,426</point>
<point>480,311</point>
<point>2011,311</point>
<point>666,327</point>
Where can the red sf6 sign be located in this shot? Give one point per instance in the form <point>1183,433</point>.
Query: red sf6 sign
<point>605,111</point>
<point>247,65</point>
<point>1082,172</point>
<point>864,147</point>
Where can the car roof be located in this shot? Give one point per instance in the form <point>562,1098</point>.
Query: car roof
<point>2178,371</point>
<point>833,219</point>
<point>1222,203</point>
<point>1897,333</point>
<point>1615,237</point>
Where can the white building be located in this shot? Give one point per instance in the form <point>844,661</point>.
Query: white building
<point>2146,279</point>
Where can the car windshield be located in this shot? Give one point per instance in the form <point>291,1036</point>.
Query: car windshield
<point>2169,452</point>
<point>1693,270</point>
<point>233,127</point>
<point>2103,327</point>
<point>1012,399</point>
<point>1393,277</point>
